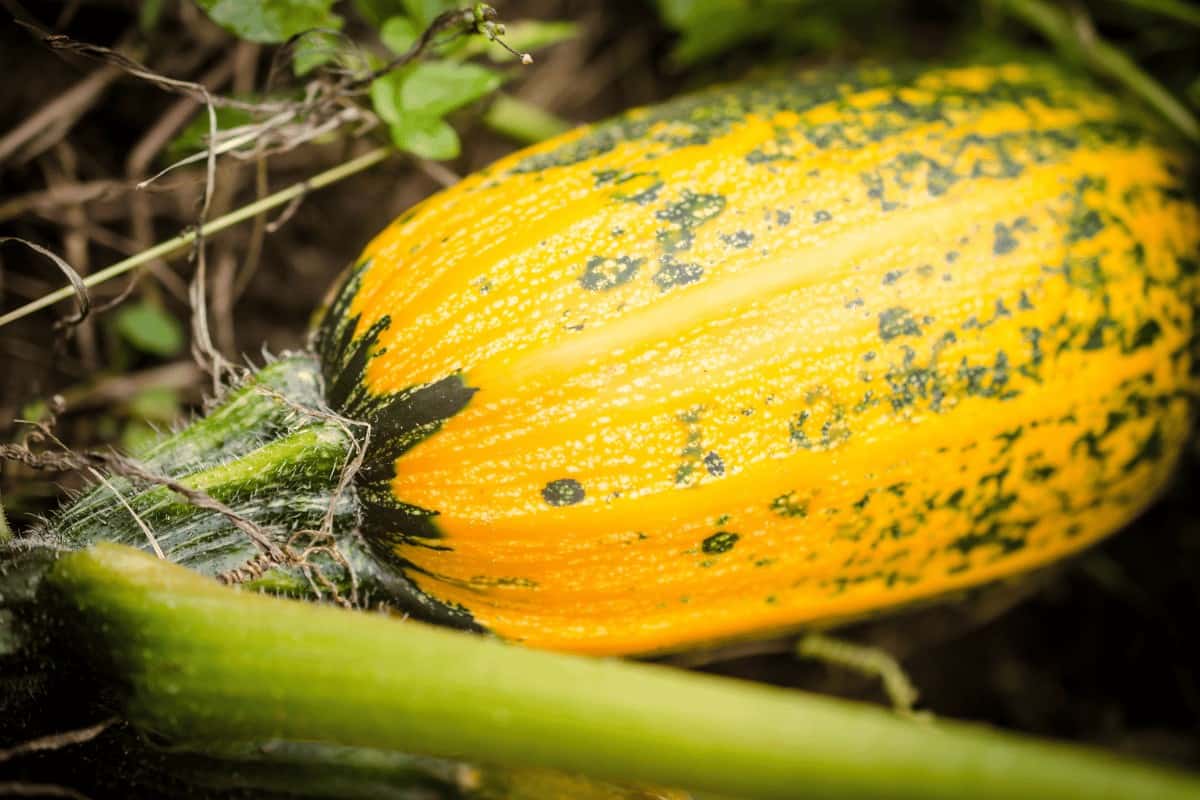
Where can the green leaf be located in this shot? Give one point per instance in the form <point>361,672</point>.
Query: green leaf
<point>1179,10</point>
<point>413,100</point>
<point>532,34</point>
<point>522,121</point>
<point>35,411</point>
<point>423,12</point>
<point>398,34</point>
<point>385,93</point>
<point>710,27</point>
<point>522,36</point>
<point>437,87</point>
<point>376,11</point>
<point>425,136</point>
<point>316,48</point>
<point>150,329</point>
<point>270,21</point>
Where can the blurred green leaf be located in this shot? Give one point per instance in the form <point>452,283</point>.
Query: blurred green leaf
<point>437,87</point>
<point>376,11</point>
<point>522,36</point>
<point>270,21</point>
<point>426,136</point>
<point>987,46</point>
<point>424,12</point>
<point>155,404</point>
<point>522,121</point>
<point>708,27</point>
<point>820,33</point>
<point>1103,58</point>
<point>149,14</point>
<point>398,34</point>
<point>150,329</point>
<point>531,34</point>
<point>316,48</point>
<point>385,94</point>
<point>1179,10</point>
<point>34,411</point>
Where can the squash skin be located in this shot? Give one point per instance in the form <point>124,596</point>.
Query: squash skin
<point>777,354</point>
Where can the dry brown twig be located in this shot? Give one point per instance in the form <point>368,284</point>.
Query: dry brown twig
<point>117,388</point>
<point>57,740</point>
<point>23,789</point>
<point>124,63</point>
<point>41,744</point>
<point>289,123</point>
<point>327,104</point>
<point>76,244</point>
<point>82,297</point>
<point>147,148</point>
<point>202,347</point>
<point>57,117</point>
<point>53,197</point>
<point>244,70</point>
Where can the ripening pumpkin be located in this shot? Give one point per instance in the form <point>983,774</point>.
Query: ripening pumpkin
<point>778,353</point>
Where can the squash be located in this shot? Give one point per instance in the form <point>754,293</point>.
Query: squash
<point>779,353</point>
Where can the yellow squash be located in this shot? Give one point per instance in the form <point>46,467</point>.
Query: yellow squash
<point>777,353</point>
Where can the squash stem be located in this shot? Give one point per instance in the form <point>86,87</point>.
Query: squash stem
<point>203,664</point>
<point>256,491</point>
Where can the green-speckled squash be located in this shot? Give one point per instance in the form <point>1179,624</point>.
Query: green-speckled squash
<point>778,353</point>
<point>775,353</point>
